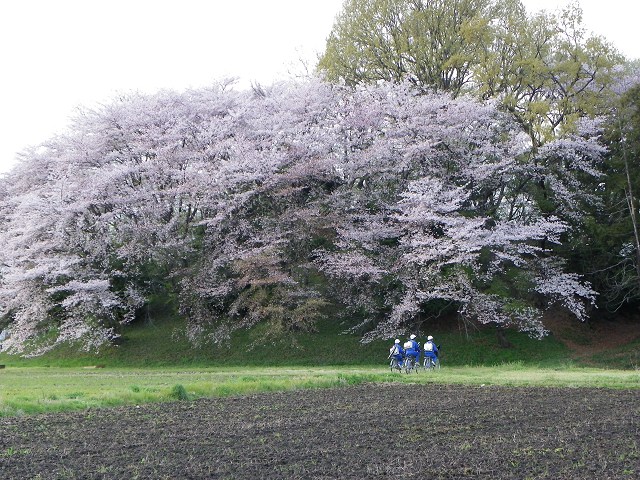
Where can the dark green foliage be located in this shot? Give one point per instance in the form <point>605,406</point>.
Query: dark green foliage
<point>605,247</point>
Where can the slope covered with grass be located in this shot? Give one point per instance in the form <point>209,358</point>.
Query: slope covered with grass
<point>160,343</point>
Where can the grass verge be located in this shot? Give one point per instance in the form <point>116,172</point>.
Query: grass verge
<point>40,389</point>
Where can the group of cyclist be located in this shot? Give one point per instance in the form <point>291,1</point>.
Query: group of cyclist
<point>411,350</point>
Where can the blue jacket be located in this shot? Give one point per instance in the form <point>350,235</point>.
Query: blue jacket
<point>399,351</point>
<point>415,349</point>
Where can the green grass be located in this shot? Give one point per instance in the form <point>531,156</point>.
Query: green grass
<point>156,363</point>
<point>162,344</point>
<point>623,357</point>
<point>30,390</point>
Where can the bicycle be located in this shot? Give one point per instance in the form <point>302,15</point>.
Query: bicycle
<point>431,364</point>
<point>395,364</point>
<point>410,364</point>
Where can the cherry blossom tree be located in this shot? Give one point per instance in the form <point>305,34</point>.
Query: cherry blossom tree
<point>447,183</point>
<point>272,204</point>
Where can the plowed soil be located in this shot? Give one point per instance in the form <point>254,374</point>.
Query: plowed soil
<point>372,431</point>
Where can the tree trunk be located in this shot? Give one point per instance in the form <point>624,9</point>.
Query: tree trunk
<point>632,209</point>
<point>503,341</point>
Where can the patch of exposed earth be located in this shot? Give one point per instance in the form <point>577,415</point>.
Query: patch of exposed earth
<point>371,431</point>
<point>587,340</point>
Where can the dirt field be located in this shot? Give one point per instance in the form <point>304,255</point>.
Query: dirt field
<point>373,431</point>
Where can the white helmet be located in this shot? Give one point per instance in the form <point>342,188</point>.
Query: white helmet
<point>397,340</point>
<point>429,337</point>
<point>412,336</point>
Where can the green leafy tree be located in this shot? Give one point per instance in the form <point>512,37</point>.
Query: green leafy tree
<point>545,69</point>
<point>431,43</point>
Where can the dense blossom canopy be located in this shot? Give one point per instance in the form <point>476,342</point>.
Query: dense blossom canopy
<point>272,205</point>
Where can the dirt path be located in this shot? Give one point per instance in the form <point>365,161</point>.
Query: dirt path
<point>374,431</point>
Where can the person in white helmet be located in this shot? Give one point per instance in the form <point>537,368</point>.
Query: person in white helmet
<point>431,350</point>
<point>396,351</point>
<point>412,348</point>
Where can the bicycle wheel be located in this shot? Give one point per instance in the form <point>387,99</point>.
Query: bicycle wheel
<point>394,365</point>
<point>409,364</point>
<point>428,363</point>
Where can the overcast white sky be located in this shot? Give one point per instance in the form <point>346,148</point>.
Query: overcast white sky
<point>56,55</point>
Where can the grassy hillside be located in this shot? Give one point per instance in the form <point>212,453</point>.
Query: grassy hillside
<point>161,343</point>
